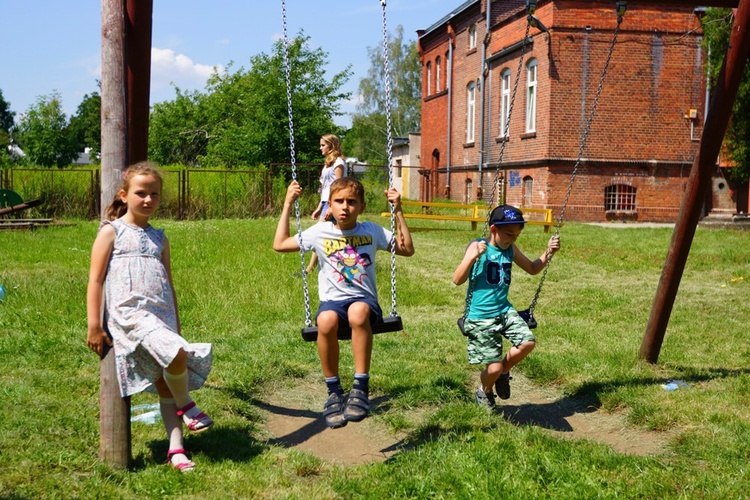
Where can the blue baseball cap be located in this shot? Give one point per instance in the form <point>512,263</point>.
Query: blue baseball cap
<point>506,214</point>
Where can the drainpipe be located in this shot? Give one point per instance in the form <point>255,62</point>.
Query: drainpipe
<point>449,83</point>
<point>482,72</point>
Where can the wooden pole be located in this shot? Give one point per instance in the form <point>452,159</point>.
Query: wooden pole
<point>114,416</point>
<point>138,27</point>
<point>699,182</point>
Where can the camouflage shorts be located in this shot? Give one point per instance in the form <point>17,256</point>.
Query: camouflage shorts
<point>486,336</point>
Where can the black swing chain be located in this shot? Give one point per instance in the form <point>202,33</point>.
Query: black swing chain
<point>620,11</point>
<point>496,181</point>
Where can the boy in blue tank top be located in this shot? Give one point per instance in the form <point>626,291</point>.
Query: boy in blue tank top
<point>491,316</point>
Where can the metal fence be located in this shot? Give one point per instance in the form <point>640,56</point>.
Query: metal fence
<point>188,193</point>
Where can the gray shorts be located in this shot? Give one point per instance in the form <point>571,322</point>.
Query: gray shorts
<point>486,336</point>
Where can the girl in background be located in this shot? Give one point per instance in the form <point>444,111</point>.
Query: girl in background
<point>334,167</point>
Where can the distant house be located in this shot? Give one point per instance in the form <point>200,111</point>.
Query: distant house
<point>84,158</point>
<point>406,178</point>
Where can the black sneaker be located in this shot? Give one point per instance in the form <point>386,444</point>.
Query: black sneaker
<point>502,386</point>
<point>485,399</point>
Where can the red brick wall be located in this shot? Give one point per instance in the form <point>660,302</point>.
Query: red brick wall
<point>655,77</point>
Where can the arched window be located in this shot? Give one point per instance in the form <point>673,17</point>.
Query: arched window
<point>504,102</point>
<point>619,197</point>
<point>531,88</point>
<point>429,78</point>
<point>468,191</point>
<point>438,75</point>
<point>473,37</point>
<point>447,70</point>
<point>471,101</point>
<point>528,191</point>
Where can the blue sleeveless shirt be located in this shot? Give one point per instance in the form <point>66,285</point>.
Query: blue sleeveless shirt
<point>491,276</point>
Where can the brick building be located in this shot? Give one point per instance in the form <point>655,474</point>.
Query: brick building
<point>641,143</point>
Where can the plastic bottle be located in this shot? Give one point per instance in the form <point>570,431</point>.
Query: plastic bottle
<point>2,293</point>
<point>148,414</point>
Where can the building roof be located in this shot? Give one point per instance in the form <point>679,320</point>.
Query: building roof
<point>446,18</point>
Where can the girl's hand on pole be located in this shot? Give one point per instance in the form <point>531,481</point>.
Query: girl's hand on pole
<point>96,338</point>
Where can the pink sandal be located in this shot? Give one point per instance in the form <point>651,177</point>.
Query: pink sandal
<point>183,466</point>
<point>196,423</point>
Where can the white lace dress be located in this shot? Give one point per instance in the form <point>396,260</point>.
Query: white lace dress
<point>140,313</point>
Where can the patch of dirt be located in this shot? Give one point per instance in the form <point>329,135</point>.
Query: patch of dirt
<point>294,420</point>
<point>575,419</point>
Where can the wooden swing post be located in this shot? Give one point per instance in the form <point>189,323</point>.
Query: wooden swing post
<point>126,76</point>
<point>699,182</point>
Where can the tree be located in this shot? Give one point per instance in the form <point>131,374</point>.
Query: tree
<point>6,125</point>
<point>717,24</point>
<point>242,120</point>
<point>43,133</point>
<point>368,136</point>
<point>86,125</point>
<point>178,130</point>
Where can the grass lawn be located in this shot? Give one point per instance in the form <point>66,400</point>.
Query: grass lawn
<point>238,294</point>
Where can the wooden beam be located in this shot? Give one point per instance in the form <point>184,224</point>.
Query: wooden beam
<point>114,411</point>
<point>138,28</point>
<point>699,182</point>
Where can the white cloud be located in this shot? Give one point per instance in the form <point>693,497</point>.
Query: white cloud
<point>167,68</point>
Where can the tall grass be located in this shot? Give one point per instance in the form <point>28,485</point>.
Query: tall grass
<point>189,194</point>
<point>235,292</point>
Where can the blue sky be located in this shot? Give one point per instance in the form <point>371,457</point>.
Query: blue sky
<point>53,45</point>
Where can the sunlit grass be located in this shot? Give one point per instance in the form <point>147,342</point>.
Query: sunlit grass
<point>238,294</point>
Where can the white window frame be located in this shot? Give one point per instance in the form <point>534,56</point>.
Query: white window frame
<point>504,102</point>
<point>531,95</point>
<point>438,73</point>
<point>471,104</point>
<point>473,37</point>
<point>429,78</point>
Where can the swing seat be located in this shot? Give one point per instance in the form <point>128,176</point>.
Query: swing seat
<point>389,324</point>
<point>528,317</point>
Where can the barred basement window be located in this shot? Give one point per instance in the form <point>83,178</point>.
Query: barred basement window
<point>619,197</point>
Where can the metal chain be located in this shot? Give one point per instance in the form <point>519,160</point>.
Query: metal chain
<point>584,138</point>
<point>387,77</point>
<point>491,199</point>
<point>288,71</point>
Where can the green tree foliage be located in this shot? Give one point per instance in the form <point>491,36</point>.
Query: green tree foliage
<point>6,126</point>
<point>241,119</point>
<point>86,125</point>
<point>43,133</point>
<point>179,129</point>
<point>368,136</point>
<point>717,24</point>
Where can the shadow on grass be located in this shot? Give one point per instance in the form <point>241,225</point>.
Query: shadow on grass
<point>551,416</point>
<point>316,426</point>
<point>217,444</point>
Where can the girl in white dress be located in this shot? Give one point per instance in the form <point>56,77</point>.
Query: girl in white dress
<point>334,167</point>
<point>131,271</point>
